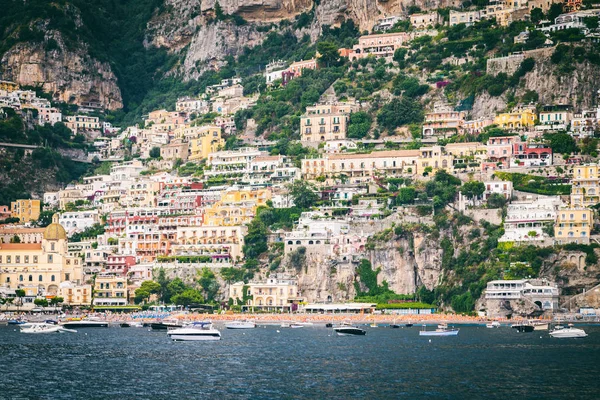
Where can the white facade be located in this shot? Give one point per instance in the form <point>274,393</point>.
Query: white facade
<point>78,221</point>
<point>525,220</point>
<point>541,292</point>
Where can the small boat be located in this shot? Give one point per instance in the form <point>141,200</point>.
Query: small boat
<point>492,325</point>
<point>442,330</point>
<point>345,329</point>
<point>196,331</point>
<point>131,325</point>
<point>165,325</point>
<point>570,332</point>
<point>16,322</point>
<point>408,325</point>
<point>523,327</point>
<point>41,328</point>
<point>329,325</point>
<point>373,325</point>
<point>539,325</point>
<point>240,325</point>
<point>51,321</point>
<point>85,323</point>
<point>394,326</point>
<point>295,325</point>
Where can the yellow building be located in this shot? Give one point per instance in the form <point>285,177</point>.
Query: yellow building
<point>9,86</point>
<point>520,117</point>
<point>236,207</point>
<point>327,121</point>
<point>85,122</point>
<point>573,225</point>
<point>110,290</point>
<point>39,268</point>
<point>276,293</point>
<point>435,157</point>
<point>585,189</point>
<point>203,140</point>
<point>25,210</point>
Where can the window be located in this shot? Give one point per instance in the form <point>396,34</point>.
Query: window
<point>30,278</point>
<point>50,259</point>
<point>52,247</point>
<point>26,259</point>
<point>20,278</point>
<point>35,259</point>
<point>17,259</point>
<point>67,276</point>
<point>40,278</point>
<point>8,260</point>
<point>52,278</point>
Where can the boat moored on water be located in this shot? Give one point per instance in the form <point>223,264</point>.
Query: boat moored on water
<point>567,333</point>
<point>84,323</point>
<point>240,325</point>
<point>166,325</point>
<point>442,330</point>
<point>494,324</point>
<point>346,329</point>
<point>131,325</point>
<point>38,328</point>
<point>523,327</point>
<point>196,331</point>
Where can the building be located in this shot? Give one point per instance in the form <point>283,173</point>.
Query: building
<point>555,117</point>
<point>381,45</point>
<point>230,162</point>
<point>25,210</point>
<point>475,127</point>
<point>237,206</point>
<point>525,220</point>
<point>39,268</point>
<point>297,67</point>
<point>4,212</point>
<point>326,121</point>
<point>387,23</point>
<point>526,154</point>
<point>203,140</point>
<point>572,20</point>
<point>278,292</point>
<point>186,104</point>
<point>466,17</point>
<point>425,20</point>
<point>110,290</point>
<point>362,167</point>
<point>274,71</point>
<point>540,292</point>
<point>78,221</point>
<point>82,122</point>
<point>25,235</point>
<point>519,118</point>
<point>175,150</point>
<point>443,121</point>
<point>585,189</point>
<point>573,225</point>
<point>49,115</point>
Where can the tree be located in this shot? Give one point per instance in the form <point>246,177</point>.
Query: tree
<point>406,195</point>
<point>496,200</point>
<point>175,287</point>
<point>45,219</point>
<point>56,300</point>
<point>400,112</point>
<point>146,289</point>
<point>303,193</point>
<point>15,239</point>
<point>400,55</point>
<point>537,15</point>
<point>329,55</point>
<point>472,190</point>
<point>561,142</point>
<point>255,241</point>
<point>208,283</point>
<point>359,125</point>
<point>41,302</point>
<point>232,274</point>
<point>155,152</point>
<point>555,10</point>
<point>187,297</point>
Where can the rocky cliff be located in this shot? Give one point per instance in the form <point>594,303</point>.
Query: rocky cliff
<point>70,75</point>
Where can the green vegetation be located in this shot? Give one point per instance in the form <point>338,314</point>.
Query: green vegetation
<point>90,232</point>
<point>534,183</point>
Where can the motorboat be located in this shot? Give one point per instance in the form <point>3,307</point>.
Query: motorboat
<point>44,328</point>
<point>394,326</point>
<point>373,325</point>
<point>131,325</point>
<point>345,329</point>
<point>51,321</point>
<point>408,325</point>
<point>295,325</point>
<point>442,330</point>
<point>84,323</point>
<point>569,332</point>
<point>492,325</point>
<point>523,327</point>
<point>166,325</point>
<point>240,325</point>
<point>539,325</point>
<point>16,322</point>
<point>196,331</point>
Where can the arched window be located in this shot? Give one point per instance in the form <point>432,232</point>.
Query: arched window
<point>30,278</point>
<point>40,278</point>
<point>20,278</point>
<point>52,278</point>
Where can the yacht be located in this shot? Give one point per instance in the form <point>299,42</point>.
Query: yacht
<point>131,325</point>
<point>196,331</point>
<point>45,328</point>
<point>539,325</point>
<point>569,332</point>
<point>166,325</point>
<point>494,324</point>
<point>523,327</point>
<point>442,330</point>
<point>84,323</point>
<point>240,325</point>
<point>345,329</point>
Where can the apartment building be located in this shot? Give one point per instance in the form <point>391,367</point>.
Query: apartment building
<point>77,123</point>
<point>380,45</point>
<point>25,210</point>
<point>585,189</point>
<point>518,118</point>
<point>110,290</point>
<point>328,121</point>
<point>443,121</point>
<point>573,225</point>
<point>278,292</point>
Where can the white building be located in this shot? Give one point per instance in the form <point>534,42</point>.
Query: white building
<point>541,292</point>
<point>279,292</point>
<point>78,221</point>
<point>525,220</point>
<point>274,71</point>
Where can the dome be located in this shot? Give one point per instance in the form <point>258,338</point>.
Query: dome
<point>55,231</point>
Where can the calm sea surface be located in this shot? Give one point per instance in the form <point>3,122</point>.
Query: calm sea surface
<point>133,363</point>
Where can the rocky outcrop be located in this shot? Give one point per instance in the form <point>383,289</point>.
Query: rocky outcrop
<point>71,76</point>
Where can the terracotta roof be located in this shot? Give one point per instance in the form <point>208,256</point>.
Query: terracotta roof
<point>377,154</point>
<point>20,246</point>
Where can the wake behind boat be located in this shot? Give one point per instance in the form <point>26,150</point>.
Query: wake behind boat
<point>196,331</point>
<point>442,330</point>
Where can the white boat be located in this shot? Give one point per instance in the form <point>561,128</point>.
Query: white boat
<point>494,324</point>
<point>240,325</point>
<point>539,325</point>
<point>85,323</point>
<point>570,332</point>
<point>442,330</point>
<point>40,328</point>
<point>295,325</point>
<point>345,329</point>
<point>196,331</point>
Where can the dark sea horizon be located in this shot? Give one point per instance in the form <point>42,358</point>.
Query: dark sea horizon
<point>308,363</point>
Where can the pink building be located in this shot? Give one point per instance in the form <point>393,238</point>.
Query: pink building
<point>297,67</point>
<point>383,45</point>
<point>4,212</point>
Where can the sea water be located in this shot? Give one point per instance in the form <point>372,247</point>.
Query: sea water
<point>312,362</point>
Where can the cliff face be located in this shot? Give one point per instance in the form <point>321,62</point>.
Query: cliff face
<point>72,76</point>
